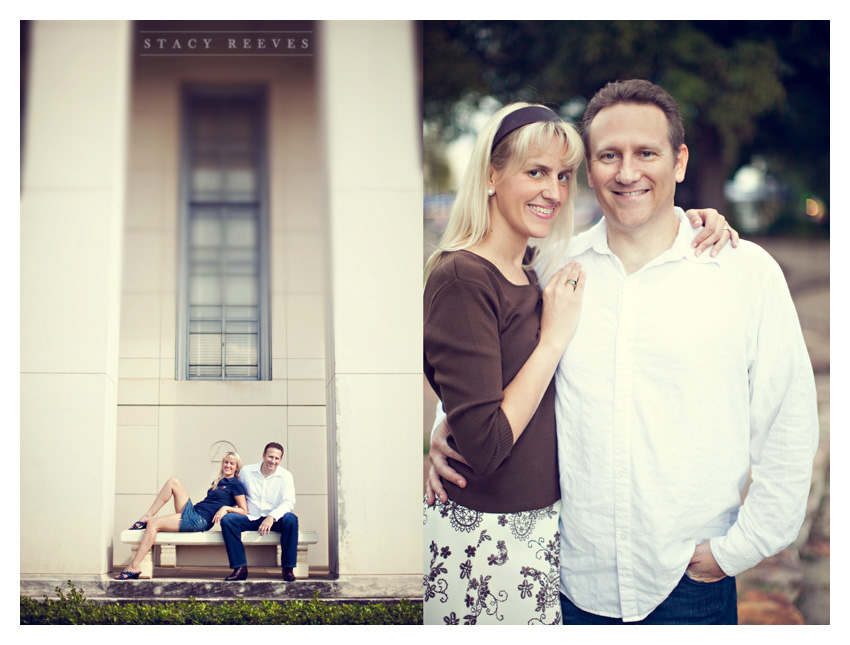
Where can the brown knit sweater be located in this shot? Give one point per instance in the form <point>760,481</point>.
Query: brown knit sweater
<point>480,330</point>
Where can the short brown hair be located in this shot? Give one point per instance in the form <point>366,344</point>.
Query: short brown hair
<point>273,444</point>
<point>640,92</point>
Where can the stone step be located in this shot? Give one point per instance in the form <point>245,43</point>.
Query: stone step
<point>265,586</point>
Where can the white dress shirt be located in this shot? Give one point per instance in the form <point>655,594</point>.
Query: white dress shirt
<point>680,378</point>
<point>273,495</point>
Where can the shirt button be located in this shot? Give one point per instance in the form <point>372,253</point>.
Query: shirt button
<point>622,536</point>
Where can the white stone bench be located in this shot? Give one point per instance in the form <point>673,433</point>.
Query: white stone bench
<point>194,549</point>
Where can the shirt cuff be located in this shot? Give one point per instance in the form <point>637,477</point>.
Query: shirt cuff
<point>439,417</point>
<point>733,554</point>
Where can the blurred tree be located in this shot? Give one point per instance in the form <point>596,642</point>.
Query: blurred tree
<point>741,85</point>
<point>795,138</point>
<point>437,170</point>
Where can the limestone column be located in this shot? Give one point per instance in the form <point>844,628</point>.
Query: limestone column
<point>72,203</point>
<point>372,133</point>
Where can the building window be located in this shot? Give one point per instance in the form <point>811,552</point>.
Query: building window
<point>223,315</point>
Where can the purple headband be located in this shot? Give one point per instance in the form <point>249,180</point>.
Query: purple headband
<point>521,117</point>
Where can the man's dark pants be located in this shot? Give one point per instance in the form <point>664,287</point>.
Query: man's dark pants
<point>233,524</point>
<point>690,603</point>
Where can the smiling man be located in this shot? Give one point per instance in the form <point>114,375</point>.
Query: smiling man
<point>271,500</point>
<point>633,168</point>
<point>686,374</point>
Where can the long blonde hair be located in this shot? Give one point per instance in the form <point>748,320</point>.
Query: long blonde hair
<point>469,220</point>
<point>220,476</point>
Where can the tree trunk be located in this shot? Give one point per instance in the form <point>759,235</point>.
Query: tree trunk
<point>706,174</point>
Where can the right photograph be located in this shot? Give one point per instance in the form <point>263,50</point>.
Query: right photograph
<point>626,322</point>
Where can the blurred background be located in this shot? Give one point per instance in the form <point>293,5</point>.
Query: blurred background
<point>754,97</point>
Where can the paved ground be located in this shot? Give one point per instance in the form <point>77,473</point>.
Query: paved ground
<point>791,588</point>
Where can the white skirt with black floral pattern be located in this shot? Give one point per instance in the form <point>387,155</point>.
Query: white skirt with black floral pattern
<point>491,568</point>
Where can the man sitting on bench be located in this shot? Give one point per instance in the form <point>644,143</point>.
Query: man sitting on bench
<point>271,500</point>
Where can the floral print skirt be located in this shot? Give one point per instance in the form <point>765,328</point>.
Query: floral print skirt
<point>491,568</point>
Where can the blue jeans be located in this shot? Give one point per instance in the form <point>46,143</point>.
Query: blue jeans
<point>233,524</point>
<point>690,603</point>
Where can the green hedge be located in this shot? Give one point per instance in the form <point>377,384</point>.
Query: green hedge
<point>74,609</point>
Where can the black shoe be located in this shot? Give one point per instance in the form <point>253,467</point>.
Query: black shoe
<point>239,573</point>
<point>288,574</point>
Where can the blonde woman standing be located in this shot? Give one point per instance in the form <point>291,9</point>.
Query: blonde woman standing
<point>492,341</point>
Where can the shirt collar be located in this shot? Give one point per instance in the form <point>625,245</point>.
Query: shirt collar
<point>258,469</point>
<point>681,248</point>
<point>596,238</point>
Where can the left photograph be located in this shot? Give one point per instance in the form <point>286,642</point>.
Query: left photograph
<point>220,238</point>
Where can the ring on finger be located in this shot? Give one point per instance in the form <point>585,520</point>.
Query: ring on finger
<point>572,282</point>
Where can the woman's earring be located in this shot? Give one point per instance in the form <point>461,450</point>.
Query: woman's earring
<point>490,192</point>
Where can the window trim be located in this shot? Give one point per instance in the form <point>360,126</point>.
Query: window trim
<point>264,348</point>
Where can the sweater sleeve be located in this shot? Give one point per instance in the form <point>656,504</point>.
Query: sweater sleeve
<point>463,350</point>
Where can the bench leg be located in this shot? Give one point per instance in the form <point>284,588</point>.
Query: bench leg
<point>146,564</point>
<point>302,568</point>
<point>167,555</point>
